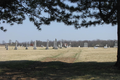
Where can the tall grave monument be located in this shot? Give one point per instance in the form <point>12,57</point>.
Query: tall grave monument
<point>26,46</point>
<point>15,45</point>
<point>60,44</point>
<point>47,46</point>
<point>35,45</point>
<point>55,44</point>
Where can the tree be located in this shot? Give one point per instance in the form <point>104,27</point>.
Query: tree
<point>14,11</point>
<point>85,13</point>
<point>101,12</point>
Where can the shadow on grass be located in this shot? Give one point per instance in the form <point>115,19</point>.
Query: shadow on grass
<point>35,70</point>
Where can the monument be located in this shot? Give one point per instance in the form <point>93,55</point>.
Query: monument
<point>47,46</point>
<point>26,46</point>
<point>35,46</point>
<point>15,45</point>
<point>60,44</point>
<point>6,46</point>
<point>70,44</point>
<point>65,45</point>
<point>55,44</point>
<point>85,44</point>
<point>105,46</point>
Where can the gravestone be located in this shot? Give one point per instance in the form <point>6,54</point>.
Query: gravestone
<point>65,45</point>
<point>70,44</point>
<point>35,46</point>
<point>55,44</point>
<point>85,44</point>
<point>47,47</point>
<point>6,46</point>
<point>26,46</point>
<point>15,45</point>
<point>60,44</point>
<point>105,46</point>
<point>115,44</point>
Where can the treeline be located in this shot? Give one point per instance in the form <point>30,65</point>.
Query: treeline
<point>100,43</point>
<point>91,43</point>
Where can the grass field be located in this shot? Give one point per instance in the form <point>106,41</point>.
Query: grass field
<point>62,64</point>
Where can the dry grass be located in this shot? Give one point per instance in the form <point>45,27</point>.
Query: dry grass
<point>62,64</point>
<point>81,54</point>
<point>98,55</point>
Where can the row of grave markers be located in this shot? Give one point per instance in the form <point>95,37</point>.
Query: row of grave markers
<point>6,46</point>
<point>55,45</point>
<point>47,46</point>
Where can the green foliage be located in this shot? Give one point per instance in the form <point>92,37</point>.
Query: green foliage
<point>84,14</point>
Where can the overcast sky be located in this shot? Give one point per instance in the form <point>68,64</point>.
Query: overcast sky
<point>27,32</point>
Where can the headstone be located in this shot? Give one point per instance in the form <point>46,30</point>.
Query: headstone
<point>105,46</point>
<point>65,45</point>
<point>85,44</point>
<point>60,44</point>
<point>115,44</point>
<point>26,46</point>
<point>55,44</point>
<point>35,46</point>
<point>15,45</point>
<point>70,44</point>
<point>6,46</point>
<point>47,47</point>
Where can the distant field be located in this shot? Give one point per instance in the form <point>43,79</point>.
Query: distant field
<point>71,63</point>
<point>79,54</point>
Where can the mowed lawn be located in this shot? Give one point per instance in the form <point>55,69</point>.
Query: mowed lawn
<point>71,63</point>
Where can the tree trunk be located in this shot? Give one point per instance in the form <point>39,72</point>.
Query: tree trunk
<point>117,64</point>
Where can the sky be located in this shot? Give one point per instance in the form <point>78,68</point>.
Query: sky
<point>27,31</point>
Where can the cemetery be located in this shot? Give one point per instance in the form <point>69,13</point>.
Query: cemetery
<point>60,59</point>
<point>59,44</point>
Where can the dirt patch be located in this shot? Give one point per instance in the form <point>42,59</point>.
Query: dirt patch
<point>67,60</point>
